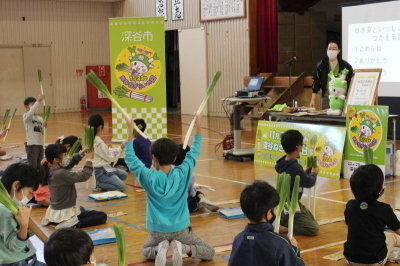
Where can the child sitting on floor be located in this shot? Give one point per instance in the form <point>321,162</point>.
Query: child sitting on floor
<point>107,178</point>
<point>69,247</point>
<point>367,218</point>
<point>195,198</point>
<point>63,209</point>
<point>167,213</point>
<point>141,146</point>
<point>20,181</point>
<point>292,144</point>
<point>258,244</point>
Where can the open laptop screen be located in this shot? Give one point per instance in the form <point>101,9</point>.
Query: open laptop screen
<point>255,83</point>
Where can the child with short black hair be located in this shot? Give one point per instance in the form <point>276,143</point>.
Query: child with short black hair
<point>367,218</point>
<point>107,178</point>
<point>292,144</point>
<point>20,180</point>
<point>258,244</point>
<point>167,214</point>
<point>69,247</point>
<point>196,199</point>
<point>34,131</point>
<point>63,209</point>
<point>141,146</point>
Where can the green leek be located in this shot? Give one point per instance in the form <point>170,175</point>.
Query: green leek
<point>6,200</point>
<point>120,236</point>
<point>39,72</point>
<point>294,201</point>
<point>368,156</point>
<point>75,147</point>
<point>89,137</point>
<point>5,118</point>
<point>9,124</point>
<point>94,79</point>
<point>210,89</point>
<point>46,113</point>
<point>283,188</point>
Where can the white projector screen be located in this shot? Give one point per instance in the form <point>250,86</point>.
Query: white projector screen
<point>371,39</point>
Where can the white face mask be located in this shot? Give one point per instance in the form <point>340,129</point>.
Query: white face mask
<point>332,54</point>
<point>65,162</point>
<point>22,202</point>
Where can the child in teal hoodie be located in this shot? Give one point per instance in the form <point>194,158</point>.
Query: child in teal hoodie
<point>166,203</point>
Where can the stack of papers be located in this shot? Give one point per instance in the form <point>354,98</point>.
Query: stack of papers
<point>102,236</point>
<point>232,213</point>
<point>109,195</point>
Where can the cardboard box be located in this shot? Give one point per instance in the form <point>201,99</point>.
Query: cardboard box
<point>286,44</point>
<point>303,19</point>
<point>285,31</point>
<point>285,18</point>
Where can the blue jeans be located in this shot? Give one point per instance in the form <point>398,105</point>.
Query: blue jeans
<point>31,261</point>
<point>109,181</point>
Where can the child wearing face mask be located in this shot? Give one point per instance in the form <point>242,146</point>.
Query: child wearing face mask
<point>368,242</point>
<point>20,181</point>
<point>258,244</point>
<point>42,194</point>
<point>63,209</point>
<point>69,247</point>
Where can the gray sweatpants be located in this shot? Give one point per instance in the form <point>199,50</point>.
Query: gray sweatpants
<point>35,155</point>
<point>200,249</point>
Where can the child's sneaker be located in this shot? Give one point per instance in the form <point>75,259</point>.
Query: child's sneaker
<point>161,258</point>
<point>176,253</point>
<point>68,223</point>
<point>96,189</point>
<point>206,203</point>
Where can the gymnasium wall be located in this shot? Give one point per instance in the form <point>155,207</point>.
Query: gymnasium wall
<point>227,45</point>
<point>77,33</point>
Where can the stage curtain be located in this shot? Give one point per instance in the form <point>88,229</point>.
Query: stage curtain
<point>267,27</point>
<point>298,6</point>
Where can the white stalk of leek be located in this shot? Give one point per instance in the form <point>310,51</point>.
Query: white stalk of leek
<point>9,125</point>
<point>294,201</point>
<point>210,89</point>
<point>92,77</point>
<point>39,72</point>
<point>120,236</point>
<point>283,188</point>
<point>6,200</point>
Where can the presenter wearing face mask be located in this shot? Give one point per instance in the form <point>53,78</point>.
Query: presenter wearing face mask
<point>332,62</point>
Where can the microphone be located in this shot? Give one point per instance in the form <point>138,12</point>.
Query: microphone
<point>291,61</point>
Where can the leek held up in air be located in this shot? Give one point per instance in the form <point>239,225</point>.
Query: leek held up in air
<point>39,72</point>
<point>9,124</point>
<point>283,188</point>
<point>368,156</point>
<point>89,137</point>
<point>120,236</point>
<point>94,79</point>
<point>210,89</point>
<point>294,201</point>
<point>74,147</point>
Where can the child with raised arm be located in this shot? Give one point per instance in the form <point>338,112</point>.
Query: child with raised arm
<point>167,214</point>
<point>367,218</point>
<point>107,177</point>
<point>258,244</point>
<point>20,180</point>
<point>69,247</point>
<point>292,144</point>
<point>34,131</point>
<point>63,209</point>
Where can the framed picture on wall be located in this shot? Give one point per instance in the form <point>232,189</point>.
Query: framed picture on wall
<point>211,10</point>
<point>177,9</point>
<point>161,9</point>
<point>363,88</point>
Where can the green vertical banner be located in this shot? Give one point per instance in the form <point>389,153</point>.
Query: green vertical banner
<point>137,63</point>
<point>366,128</point>
<point>324,142</point>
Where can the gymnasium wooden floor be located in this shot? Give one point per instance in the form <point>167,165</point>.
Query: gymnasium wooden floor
<point>227,178</point>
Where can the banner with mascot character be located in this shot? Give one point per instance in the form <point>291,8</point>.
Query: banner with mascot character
<point>137,63</point>
<point>366,128</point>
<point>324,142</point>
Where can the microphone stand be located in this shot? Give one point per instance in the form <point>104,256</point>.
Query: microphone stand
<point>290,64</point>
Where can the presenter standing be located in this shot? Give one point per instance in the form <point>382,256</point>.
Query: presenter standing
<point>334,63</point>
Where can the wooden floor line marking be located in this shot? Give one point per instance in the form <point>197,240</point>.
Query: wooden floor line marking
<point>333,191</point>
<point>220,178</point>
<point>333,220</point>
<point>331,200</point>
<point>324,246</point>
